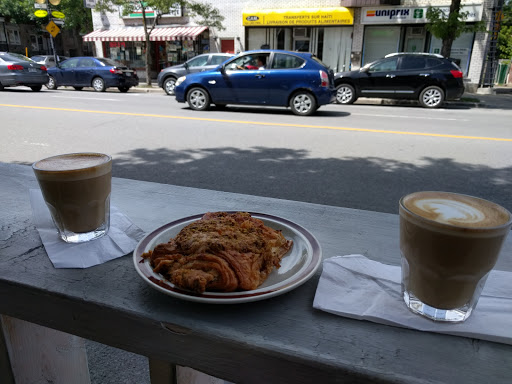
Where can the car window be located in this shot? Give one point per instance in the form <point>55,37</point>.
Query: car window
<point>87,62</point>
<point>15,57</point>
<point>71,63</point>
<point>216,60</point>
<point>384,65</point>
<point>37,58</point>
<point>198,61</point>
<point>319,61</point>
<point>109,63</point>
<point>285,61</point>
<point>431,62</point>
<point>412,62</point>
<point>251,61</point>
<point>51,59</point>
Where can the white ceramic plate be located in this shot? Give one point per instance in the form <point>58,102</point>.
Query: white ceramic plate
<point>297,266</point>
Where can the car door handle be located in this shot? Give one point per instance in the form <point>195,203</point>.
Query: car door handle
<point>390,76</point>
<point>425,74</point>
<point>259,76</point>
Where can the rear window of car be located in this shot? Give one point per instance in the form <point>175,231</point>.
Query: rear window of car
<point>216,60</point>
<point>109,63</point>
<point>38,58</point>
<point>284,61</point>
<point>15,57</point>
<point>412,62</point>
<point>319,61</point>
<point>432,62</point>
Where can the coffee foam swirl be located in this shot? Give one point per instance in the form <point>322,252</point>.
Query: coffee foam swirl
<point>450,211</point>
<point>457,210</point>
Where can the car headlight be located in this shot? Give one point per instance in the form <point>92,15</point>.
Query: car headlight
<point>180,80</point>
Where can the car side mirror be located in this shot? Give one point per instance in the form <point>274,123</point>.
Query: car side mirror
<point>364,69</point>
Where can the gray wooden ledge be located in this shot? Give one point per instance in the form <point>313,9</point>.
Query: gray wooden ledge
<point>280,340</point>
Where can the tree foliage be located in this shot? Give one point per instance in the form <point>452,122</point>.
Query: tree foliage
<point>203,13</point>
<point>22,12</point>
<point>448,26</point>
<point>505,35</point>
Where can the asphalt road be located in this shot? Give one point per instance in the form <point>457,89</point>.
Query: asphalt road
<point>357,156</point>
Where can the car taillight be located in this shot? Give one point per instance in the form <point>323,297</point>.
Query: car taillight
<point>324,79</point>
<point>456,74</point>
<point>43,68</point>
<point>15,67</point>
<point>115,71</point>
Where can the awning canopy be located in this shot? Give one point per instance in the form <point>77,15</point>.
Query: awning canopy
<point>137,34</point>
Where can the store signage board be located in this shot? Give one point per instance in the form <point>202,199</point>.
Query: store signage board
<point>174,11</point>
<point>40,6</point>
<point>89,3</point>
<point>58,15</point>
<point>412,15</point>
<point>52,28</point>
<point>303,16</point>
<point>40,13</point>
<point>2,20</point>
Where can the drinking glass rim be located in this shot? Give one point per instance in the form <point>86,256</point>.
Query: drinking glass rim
<point>446,225</point>
<point>108,159</point>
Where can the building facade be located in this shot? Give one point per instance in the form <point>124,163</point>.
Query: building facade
<point>345,34</point>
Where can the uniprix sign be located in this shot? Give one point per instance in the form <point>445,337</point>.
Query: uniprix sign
<point>412,15</point>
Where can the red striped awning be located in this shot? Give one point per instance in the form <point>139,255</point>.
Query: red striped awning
<point>137,34</point>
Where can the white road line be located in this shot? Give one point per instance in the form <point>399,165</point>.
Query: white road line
<point>407,117</point>
<point>86,98</point>
<point>38,144</point>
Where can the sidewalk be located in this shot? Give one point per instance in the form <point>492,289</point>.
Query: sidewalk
<point>501,98</point>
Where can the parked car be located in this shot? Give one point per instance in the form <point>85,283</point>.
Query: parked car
<point>48,60</point>
<point>429,78</point>
<point>96,72</point>
<point>295,79</point>
<point>205,62</point>
<point>16,70</point>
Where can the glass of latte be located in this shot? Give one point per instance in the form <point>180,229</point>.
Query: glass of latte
<point>76,188</point>
<point>449,243</point>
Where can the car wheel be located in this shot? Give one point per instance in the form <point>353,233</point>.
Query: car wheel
<point>98,84</point>
<point>123,89</point>
<point>36,88</point>
<point>198,99</point>
<point>78,88</point>
<point>169,85</point>
<point>345,94</point>
<point>303,103</point>
<point>431,97</point>
<point>51,84</point>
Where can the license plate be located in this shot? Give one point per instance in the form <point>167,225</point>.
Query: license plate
<point>32,70</point>
<point>128,74</point>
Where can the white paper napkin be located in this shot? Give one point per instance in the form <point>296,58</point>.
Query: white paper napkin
<point>357,287</point>
<point>120,240</point>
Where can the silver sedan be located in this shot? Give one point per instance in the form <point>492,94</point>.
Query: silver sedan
<point>16,70</point>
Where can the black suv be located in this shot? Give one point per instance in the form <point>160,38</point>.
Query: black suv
<point>168,76</point>
<point>431,79</point>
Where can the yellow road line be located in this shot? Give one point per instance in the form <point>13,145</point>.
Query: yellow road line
<point>261,123</point>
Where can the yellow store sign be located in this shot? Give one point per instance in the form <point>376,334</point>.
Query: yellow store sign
<point>304,16</point>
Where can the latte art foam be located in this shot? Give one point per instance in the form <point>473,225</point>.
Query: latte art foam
<point>457,210</point>
<point>450,212</point>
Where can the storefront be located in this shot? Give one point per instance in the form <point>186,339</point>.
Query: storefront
<point>169,45</point>
<point>402,29</point>
<point>325,32</point>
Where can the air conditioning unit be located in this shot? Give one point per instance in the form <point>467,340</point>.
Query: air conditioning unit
<point>417,32</point>
<point>300,32</point>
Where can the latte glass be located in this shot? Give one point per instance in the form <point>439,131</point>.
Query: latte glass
<point>76,188</point>
<point>449,243</point>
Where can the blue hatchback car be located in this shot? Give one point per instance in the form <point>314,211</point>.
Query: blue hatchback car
<point>297,80</point>
<point>97,72</point>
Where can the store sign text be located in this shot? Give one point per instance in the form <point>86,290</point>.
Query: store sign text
<point>306,16</point>
<point>417,15</point>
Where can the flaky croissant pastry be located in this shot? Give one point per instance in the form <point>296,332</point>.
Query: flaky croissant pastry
<point>221,252</point>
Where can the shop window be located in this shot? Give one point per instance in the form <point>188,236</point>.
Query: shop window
<point>284,61</point>
<point>14,36</point>
<point>33,43</point>
<point>384,65</point>
<point>3,37</point>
